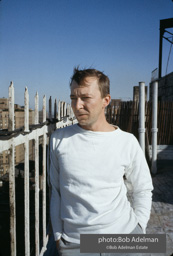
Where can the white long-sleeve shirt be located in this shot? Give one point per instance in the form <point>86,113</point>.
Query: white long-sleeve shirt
<point>88,190</point>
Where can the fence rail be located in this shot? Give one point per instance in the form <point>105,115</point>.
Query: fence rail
<point>12,138</point>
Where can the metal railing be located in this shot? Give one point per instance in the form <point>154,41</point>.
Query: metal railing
<point>62,116</point>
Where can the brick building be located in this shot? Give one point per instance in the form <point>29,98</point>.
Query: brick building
<point>19,122</point>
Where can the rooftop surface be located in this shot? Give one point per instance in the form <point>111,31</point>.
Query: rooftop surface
<point>161,220</point>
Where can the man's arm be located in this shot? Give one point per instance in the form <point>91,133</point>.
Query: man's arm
<point>55,202</point>
<point>138,175</point>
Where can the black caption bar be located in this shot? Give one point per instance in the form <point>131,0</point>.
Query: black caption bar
<point>121,243</point>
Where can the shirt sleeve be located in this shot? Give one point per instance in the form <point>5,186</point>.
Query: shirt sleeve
<point>138,175</point>
<point>55,201</point>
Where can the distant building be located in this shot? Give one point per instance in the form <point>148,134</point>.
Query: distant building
<point>3,119</point>
<point>18,123</point>
<point>18,115</point>
<point>3,103</point>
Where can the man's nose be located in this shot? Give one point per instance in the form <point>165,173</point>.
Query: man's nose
<point>79,104</point>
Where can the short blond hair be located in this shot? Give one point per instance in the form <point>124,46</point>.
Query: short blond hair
<point>103,80</point>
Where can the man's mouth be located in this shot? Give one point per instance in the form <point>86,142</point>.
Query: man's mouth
<point>81,114</point>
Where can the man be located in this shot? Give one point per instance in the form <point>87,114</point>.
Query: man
<point>88,162</point>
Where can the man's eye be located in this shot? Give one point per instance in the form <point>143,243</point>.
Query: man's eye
<point>85,98</point>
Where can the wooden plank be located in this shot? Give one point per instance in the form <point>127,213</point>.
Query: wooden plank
<point>64,109</point>
<point>50,108</point>
<point>44,108</point>
<point>59,110</point>
<point>164,122</point>
<point>68,110</point>
<point>36,113</point>
<point>170,124</point>
<point>71,113</point>
<point>55,109</point>
<point>159,122</point>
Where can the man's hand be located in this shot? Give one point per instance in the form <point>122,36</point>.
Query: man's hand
<point>57,243</point>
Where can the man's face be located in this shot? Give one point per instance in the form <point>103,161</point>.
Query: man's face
<point>87,103</point>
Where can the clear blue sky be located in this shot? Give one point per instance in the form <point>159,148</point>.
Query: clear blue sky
<point>41,41</point>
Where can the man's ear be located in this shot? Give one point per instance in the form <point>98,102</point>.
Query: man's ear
<point>106,100</point>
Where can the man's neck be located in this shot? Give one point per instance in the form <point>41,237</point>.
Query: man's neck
<point>104,127</point>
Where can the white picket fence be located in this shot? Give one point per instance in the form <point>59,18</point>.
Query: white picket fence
<point>62,116</point>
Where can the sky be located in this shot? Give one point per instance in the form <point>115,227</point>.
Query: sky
<point>41,41</point>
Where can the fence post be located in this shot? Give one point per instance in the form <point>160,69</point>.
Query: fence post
<point>154,127</point>
<point>141,129</point>
<point>44,108</point>
<point>26,176</point>
<point>37,241</point>
<point>71,113</point>
<point>44,176</point>
<point>59,110</point>
<point>36,113</point>
<point>26,124</point>
<point>12,195</point>
<point>44,190</point>
<point>11,108</point>
<point>65,110</point>
<point>12,200</point>
<point>55,109</point>
<point>50,108</point>
<point>26,182</point>
<point>68,110</point>
<point>62,112</point>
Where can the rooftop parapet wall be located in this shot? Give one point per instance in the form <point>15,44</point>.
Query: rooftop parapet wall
<point>165,88</point>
